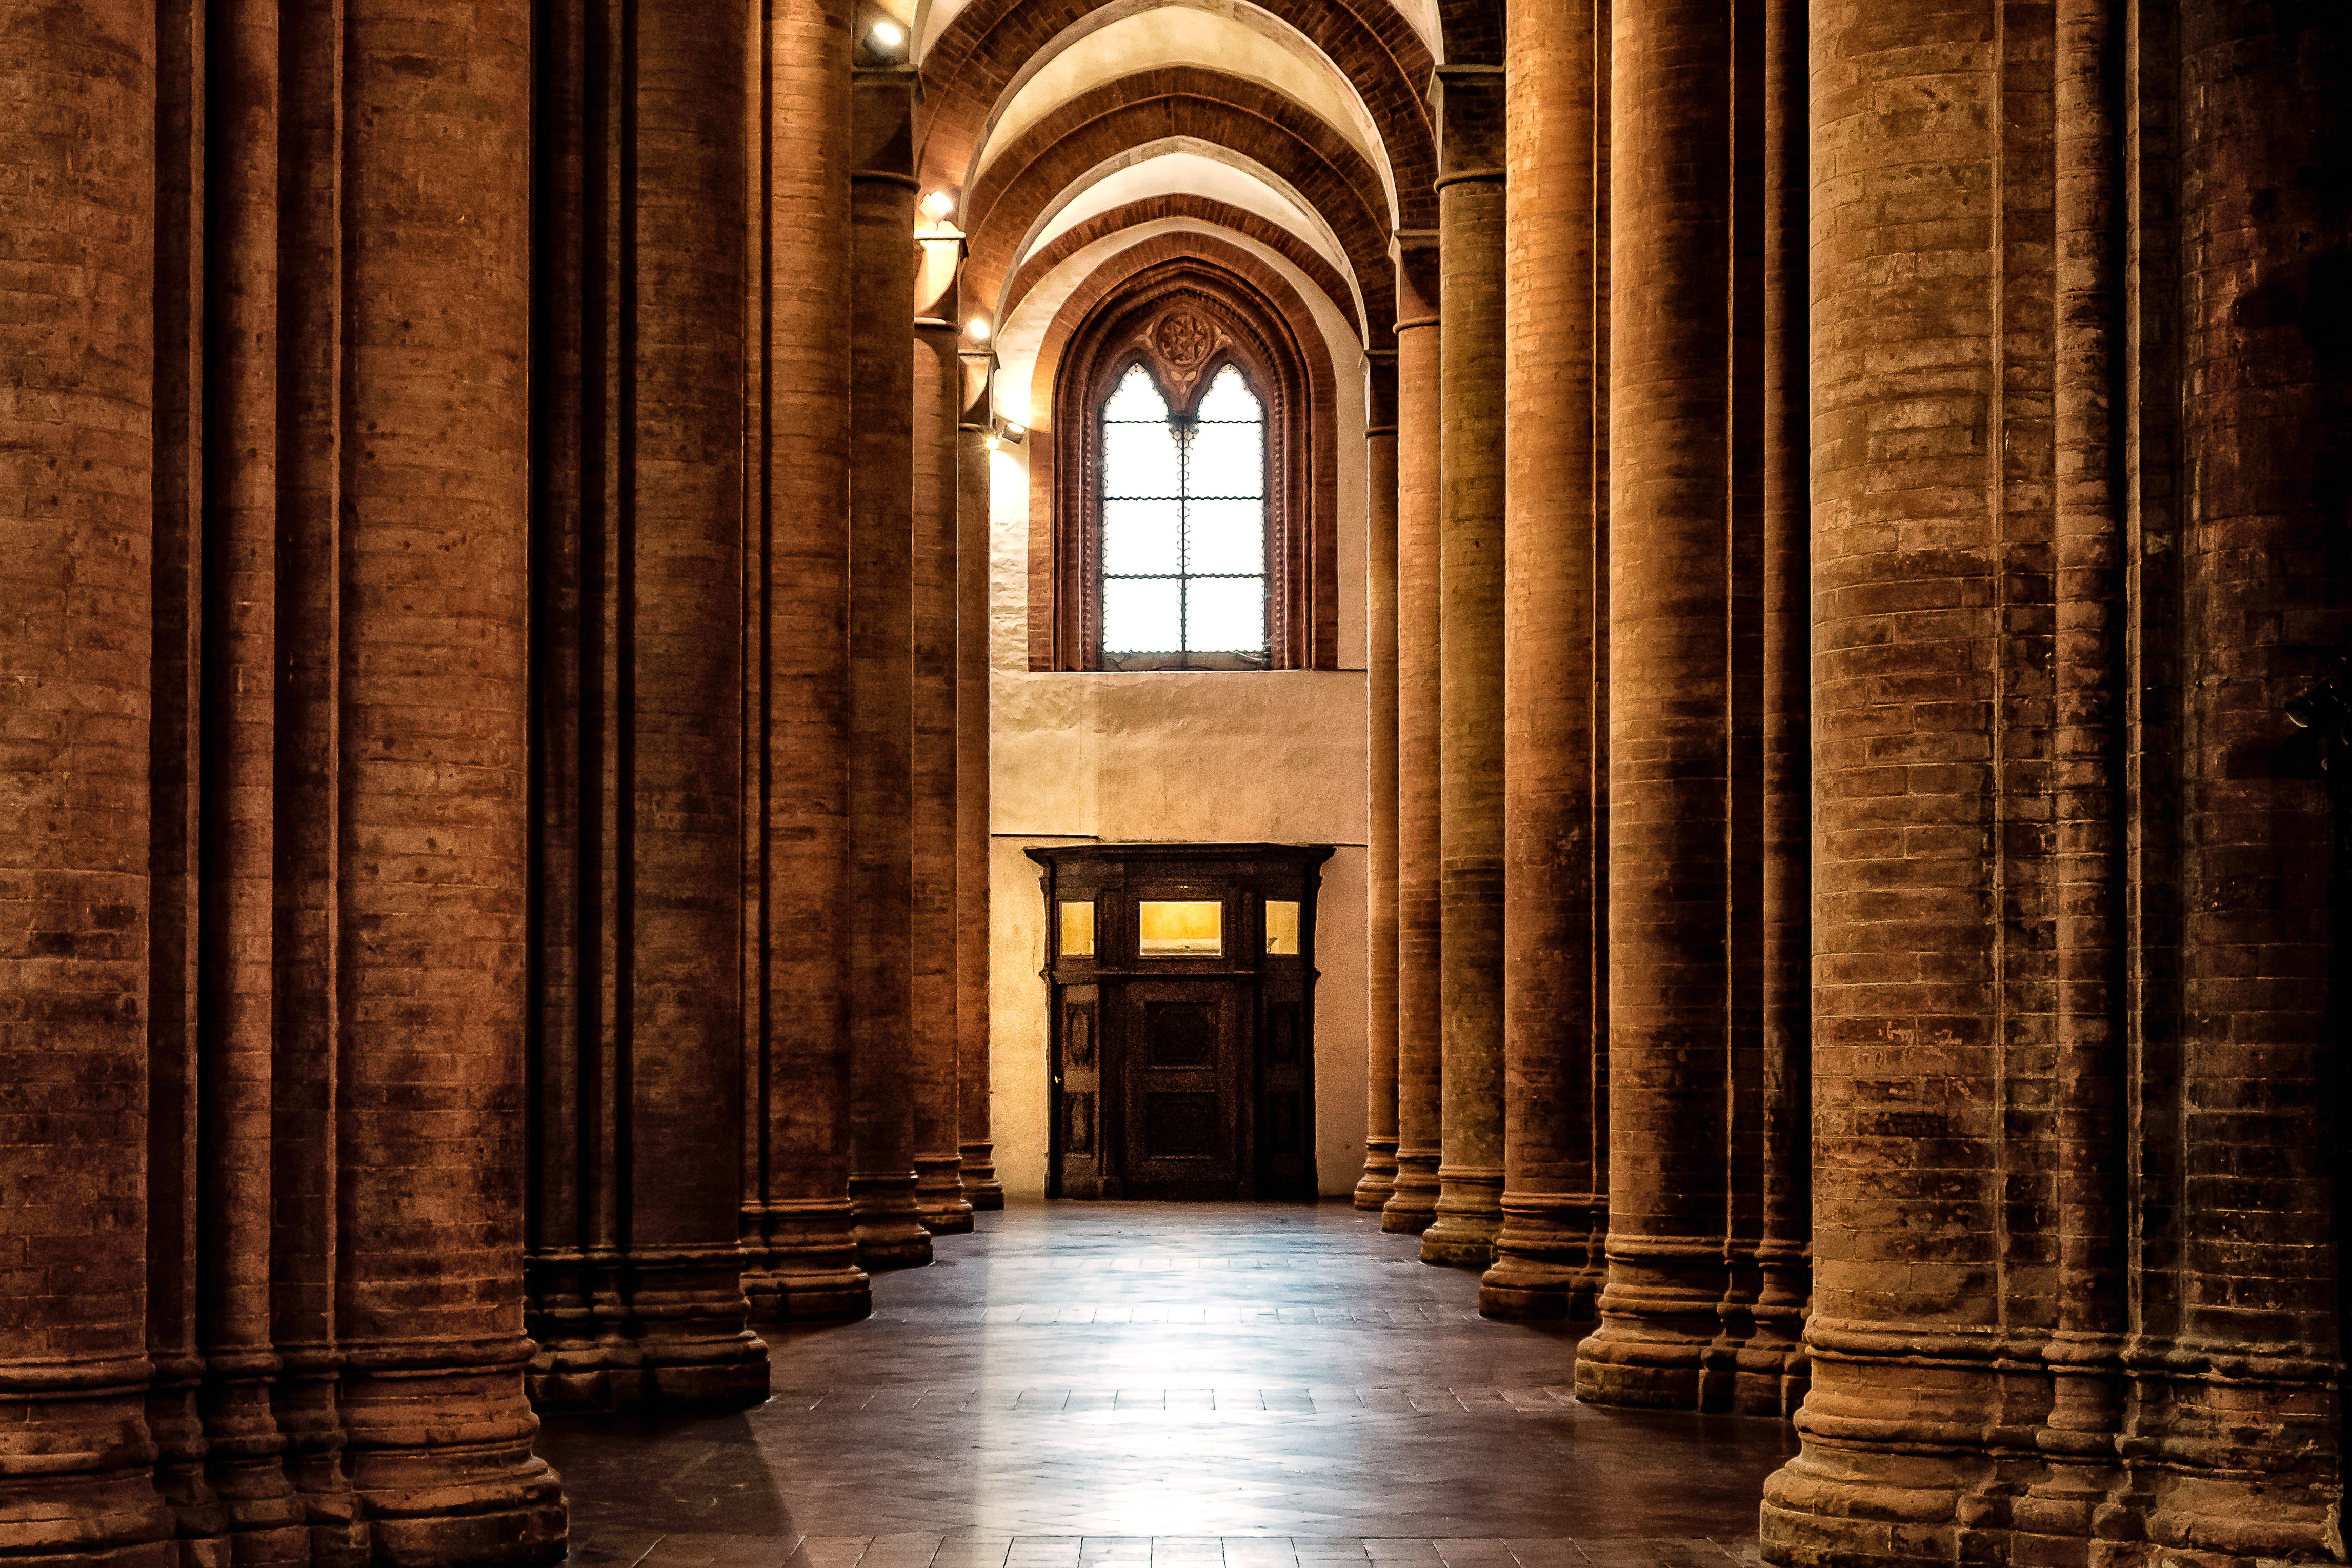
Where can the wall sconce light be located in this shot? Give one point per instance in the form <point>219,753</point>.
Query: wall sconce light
<point>977,329</point>
<point>886,37</point>
<point>937,206</point>
<point>1007,434</point>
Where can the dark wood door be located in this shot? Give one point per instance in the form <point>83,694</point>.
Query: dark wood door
<point>1184,1058</point>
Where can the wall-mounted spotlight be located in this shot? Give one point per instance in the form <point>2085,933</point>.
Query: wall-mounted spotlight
<point>886,37</point>
<point>977,329</point>
<point>937,206</point>
<point>1006,433</point>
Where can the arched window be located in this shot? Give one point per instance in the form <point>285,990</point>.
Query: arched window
<point>1186,484</point>
<point>1183,527</point>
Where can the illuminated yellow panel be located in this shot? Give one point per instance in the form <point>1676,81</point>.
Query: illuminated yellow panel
<point>1077,931</point>
<point>1191,929</point>
<point>1281,926</point>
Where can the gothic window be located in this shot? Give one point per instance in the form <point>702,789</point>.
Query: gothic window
<point>1183,527</point>
<point>1190,477</point>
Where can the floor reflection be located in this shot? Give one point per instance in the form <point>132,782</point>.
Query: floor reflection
<point>1165,1385</point>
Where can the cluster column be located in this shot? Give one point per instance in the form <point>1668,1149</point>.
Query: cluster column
<point>890,1233</point>
<point>1547,1262</point>
<point>429,1293</point>
<point>936,909</point>
<point>637,1261</point>
<point>1413,1204</point>
<point>974,451</point>
<point>1669,704</point>
<point>796,1214</point>
<point>1377,1182</point>
<point>1471,151</point>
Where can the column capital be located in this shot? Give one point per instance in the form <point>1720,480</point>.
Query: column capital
<point>1414,251</point>
<point>1467,104</point>
<point>882,123</point>
<point>1380,391</point>
<point>978,397</point>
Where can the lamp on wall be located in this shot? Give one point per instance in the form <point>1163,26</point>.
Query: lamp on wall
<point>977,329</point>
<point>937,206</point>
<point>885,38</point>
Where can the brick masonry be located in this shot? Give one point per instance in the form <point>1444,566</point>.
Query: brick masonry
<point>487,654</point>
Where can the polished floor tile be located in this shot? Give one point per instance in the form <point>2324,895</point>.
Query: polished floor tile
<point>1170,1385</point>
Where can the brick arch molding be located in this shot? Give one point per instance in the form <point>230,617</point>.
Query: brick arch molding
<point>1375,318</point>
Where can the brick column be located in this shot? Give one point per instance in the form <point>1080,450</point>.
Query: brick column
<point>1470,115</point>
<point>1420,1052</point>
<point>2250,1290</point>
<point>934,1018</point>
<point>973,452</point>
<point>1547,1263</point>
<point>638,1260</point>
<point>681,806</point>
<point>890,1234</point>
<point>77,141</point>
<point>429,1300</point>
<point>1770,1364</point>
<point>236,793</point>
<point>1932,1286</point>
<point>1379,1180</point>
<point>1669,704</point>
<point>796,1202</point>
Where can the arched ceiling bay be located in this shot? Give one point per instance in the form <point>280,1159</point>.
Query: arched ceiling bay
<point>933,16</point>
<point>1351,72</point>
<point>1245,42</point>
<point>1313,180</point>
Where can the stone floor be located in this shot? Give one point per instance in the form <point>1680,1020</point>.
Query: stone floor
<point>1170,1385</point>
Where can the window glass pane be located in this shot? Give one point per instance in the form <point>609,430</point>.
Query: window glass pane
<point>1228,460</point>
<point>1137,399</point>
<point>1223,536</point>
<point>1281,926</point>
<point>1077,934</point>
<point>1142,616</point>
<point>1225,615</point>
<point>1141,538</point>
<point>1229,397</point>
<point>1140,460</point>
<point>1180,928</point>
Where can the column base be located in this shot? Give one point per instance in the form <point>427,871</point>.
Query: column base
<point>1660,1317</point>
<point>981,1187</point>
<point>304,1400</point>
<point>939,1202</point>
<point>439,1451</point>
<point>1412,1205</point>
<point>1379,1180</point>
<point>1545,1266</point>
<point>889,1226</point>
<point>92,1501</point>
<point>804,1268</point>
<point>1469,1216</point>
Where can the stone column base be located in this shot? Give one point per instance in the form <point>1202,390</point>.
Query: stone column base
<point>1379,1180</point>
<point>889,1224</point>
<point>1469,1216</point>
<point>804,1270</point>
<point>939,1201</point>
<point>1413,1204</point>
<point>1545,1265</point>
<point>981,1187</point>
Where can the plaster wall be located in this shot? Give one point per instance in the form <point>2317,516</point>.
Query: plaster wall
<point>1212,756</point>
